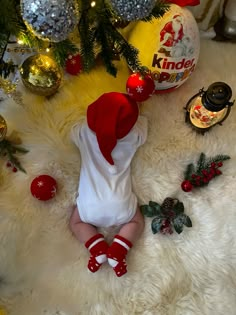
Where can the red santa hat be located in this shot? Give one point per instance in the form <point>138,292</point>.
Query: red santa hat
<point>175,16</point>
<point>111,117</point>
<point>183,3</point>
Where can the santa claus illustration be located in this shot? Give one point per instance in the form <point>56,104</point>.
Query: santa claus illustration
<point>171,34</point>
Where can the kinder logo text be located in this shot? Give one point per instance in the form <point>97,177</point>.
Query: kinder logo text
<point>177,71</point>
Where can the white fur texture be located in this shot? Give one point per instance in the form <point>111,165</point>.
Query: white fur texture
<point>43,267</point>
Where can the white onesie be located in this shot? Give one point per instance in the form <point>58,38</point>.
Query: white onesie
<point>105,196</point>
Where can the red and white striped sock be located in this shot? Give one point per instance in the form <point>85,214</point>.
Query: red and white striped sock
<point>98,249</point>
<point>116,254</point>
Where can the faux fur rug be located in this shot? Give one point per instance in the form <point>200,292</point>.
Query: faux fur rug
<point>43,267</point>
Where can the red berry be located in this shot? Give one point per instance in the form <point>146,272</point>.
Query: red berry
<point>218,172</point>
<point>8,164</point>
<point>213,164</point>
<point>165,223</point>
<point>166,227</point>
<point>212,171</point>
<point>204,172</point>
<point>186,186</point>
<point>14,169</point>
<point>210,176</point>
<point>219,164</point>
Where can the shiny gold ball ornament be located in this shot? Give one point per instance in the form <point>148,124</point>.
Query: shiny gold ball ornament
<point>3,128</point>
<point>41,75</point>
<point>3,311</point>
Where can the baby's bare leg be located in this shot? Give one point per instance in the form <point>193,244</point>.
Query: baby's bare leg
<point>82,231</point>
<point>93,241</point>
<point>133,229</point>
<point>123,241</point>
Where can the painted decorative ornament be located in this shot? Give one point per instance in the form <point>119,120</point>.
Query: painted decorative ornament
<point>139,87</point>
<point>51,20</point>
<point>41,75</point>
<point>43,187</point>
<point>74,64</point>
<point>169,47</point>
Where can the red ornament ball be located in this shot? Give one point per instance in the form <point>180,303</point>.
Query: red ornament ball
<point>43,187</point>
<point>139,87</point>
<point>186,186</point>
<point>74,64</point>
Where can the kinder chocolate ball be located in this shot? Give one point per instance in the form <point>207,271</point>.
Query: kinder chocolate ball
<point>168,47</point>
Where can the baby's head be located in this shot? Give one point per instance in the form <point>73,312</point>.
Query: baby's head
<point>111,117</point>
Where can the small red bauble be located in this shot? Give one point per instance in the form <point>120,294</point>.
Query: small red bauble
<point>43,187</point>
<point>74,64</point>
<point>139,87</point>
<point>186,186</point>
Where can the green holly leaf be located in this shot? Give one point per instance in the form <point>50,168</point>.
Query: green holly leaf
<point>179,208</point>
<point>151,209</point>
<point>178,225</point>
<point>180,221</point>
<point>156,225</point>
<point>187,221</point>
<point>155,206</point>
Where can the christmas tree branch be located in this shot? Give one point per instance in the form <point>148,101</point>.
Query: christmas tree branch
<point>86,43</point>
<point>98,33</point>
<point>62,49</point>
<point>158,11</point>
<point>105,41</point>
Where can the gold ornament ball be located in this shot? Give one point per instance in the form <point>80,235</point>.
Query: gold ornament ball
<point>41,75</point>
<point>3,311</point>
<point>3,129</point>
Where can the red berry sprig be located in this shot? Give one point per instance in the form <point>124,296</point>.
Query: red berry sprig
<point>206,170</point>
<point>13,167</point>
<point>8,151</point>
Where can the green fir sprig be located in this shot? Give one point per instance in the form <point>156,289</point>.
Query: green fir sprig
<point>203,172</point>
<point>168,216</point>
<point>6,68</point>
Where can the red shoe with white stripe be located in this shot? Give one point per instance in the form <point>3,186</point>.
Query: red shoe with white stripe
<point>98,249</point>
<point>116,254</point>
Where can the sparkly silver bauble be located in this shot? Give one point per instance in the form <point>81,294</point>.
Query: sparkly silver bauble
<point>51,20</point>
<point>130,10</point>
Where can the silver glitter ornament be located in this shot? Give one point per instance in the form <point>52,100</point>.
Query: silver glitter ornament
<point>130,10</point>
<point>51,20</point>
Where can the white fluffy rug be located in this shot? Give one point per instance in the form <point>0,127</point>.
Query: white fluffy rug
<point>42,266</point>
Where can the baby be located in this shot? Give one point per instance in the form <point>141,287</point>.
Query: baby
<point>107,142</point>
